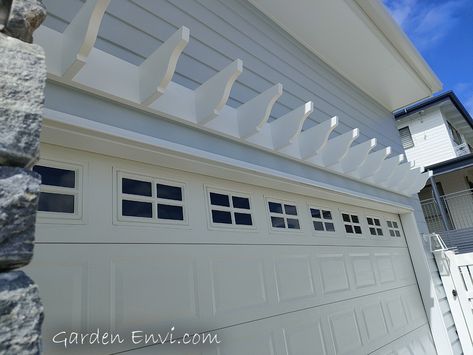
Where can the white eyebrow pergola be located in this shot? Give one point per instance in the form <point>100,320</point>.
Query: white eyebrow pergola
<point>73,59</point>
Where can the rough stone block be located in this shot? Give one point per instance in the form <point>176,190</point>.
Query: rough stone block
<point>19,193</point>
<point>23,73</point>
<point>24,17</point>
<point>21,315</point>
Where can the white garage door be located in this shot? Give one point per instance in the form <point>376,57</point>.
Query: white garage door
<point>125,246</point>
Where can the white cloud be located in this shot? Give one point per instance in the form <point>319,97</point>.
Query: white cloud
<point>426,21</point>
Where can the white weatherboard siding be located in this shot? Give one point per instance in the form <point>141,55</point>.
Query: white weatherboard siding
<point>432,142</point>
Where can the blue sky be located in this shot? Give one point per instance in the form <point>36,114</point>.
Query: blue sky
<point>443,33</point>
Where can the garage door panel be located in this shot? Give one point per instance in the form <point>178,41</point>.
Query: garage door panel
<point>140,280</point>
<point>416,342</point>
<point>66,285</point>
<point>238,284</point>
<point>289,287</point>
<point>336,328</point>
<point>241,284</point>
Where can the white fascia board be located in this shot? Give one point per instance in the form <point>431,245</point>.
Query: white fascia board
<point>379,15</point>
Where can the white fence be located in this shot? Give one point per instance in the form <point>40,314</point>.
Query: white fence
<point>456,272</point>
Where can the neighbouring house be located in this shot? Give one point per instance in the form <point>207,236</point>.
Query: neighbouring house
<point>437,133</point>
<point>234,167</point>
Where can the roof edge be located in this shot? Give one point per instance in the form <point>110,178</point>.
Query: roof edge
<point>418,106</point>
<point>385,23</point>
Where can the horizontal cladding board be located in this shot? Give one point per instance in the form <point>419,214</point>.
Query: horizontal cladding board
<point>268,59</point>
<point>210,287</point>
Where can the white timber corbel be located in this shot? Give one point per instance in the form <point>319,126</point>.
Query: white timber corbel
<point>399,174</point>
<point>211,96</point>
<point>80,35</point>
<point>253,115</point>
<point>356,156</point>
<point>314,139</point>
<point>287,128</point>
<point>336,148</point>
<point>419,183</point>
<point>388,167</point>
<point>372,164</point>
<point>157,70</point>
<point>408,179</point>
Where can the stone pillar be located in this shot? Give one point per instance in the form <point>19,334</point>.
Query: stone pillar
<point>22,81</point>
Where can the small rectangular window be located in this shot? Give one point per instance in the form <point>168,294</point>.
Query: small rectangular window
<point>55,176</point>
<point>149,199</point>
<point>352,224</point>
<point>137,209</point>
<point>170,212</point>
<point>228,209</point>
<point>54,202</point>
<point>60,190</point>
<point>169,192</point>
<point>393,228</point>
<point>374,225</point>
<point>322,220</point>
<point>283,215</point>
<point>136,187</point>
<point>406,137</point>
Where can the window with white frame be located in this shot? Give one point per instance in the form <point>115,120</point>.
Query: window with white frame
<point>150,199</point>
<point>352,223</point>
<point>322,219</point>
<point>374,225</point>
<point>60,190</point>
<point>393,228</point>
<point>229,209</point>
<point>283,215</point>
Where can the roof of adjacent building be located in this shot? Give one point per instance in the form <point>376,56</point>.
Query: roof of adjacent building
<point>452,107</point>
<point>452,165</point>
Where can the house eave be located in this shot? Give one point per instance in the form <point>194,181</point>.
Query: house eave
<point>365,46</point>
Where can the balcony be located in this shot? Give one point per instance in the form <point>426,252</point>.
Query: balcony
<point>459,208</point>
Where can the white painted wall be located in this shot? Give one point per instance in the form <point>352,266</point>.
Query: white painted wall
<point>432,142</point>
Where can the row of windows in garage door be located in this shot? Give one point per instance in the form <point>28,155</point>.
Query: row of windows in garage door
<point>154,200</point>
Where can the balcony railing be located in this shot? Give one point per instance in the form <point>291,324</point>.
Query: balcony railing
<point>458,207</point>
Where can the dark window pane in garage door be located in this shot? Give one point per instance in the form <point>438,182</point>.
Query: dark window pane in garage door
<point>52,202</point>
<point>219,199</point>
<point>241,202</point>
<point>55,176</point>
<point>137,209</point>
<point>275,207</point>
<point>243,219</point>
<point>170,212</point>
<point>221,217</point>
<point>169,192</point>
<point>136,187</point>
<point>278,222</point>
